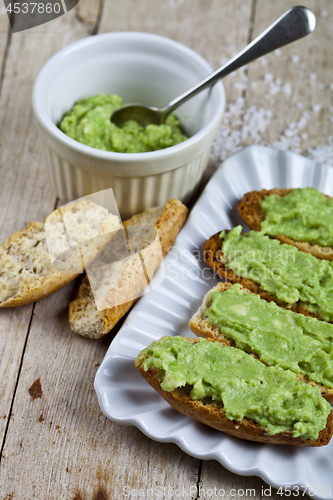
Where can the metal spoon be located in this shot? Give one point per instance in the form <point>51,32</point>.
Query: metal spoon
<point>294,24</point>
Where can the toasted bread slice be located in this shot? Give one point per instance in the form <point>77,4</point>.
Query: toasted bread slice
<point>213,256</point>
<point>200,325</point>
<point>26,270</point>
<point>251,213</point>
<point>84,317</point>
<point>212,413</point>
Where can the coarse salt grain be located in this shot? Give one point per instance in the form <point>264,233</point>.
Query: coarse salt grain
<point>286,89</point>
<point>285,143</point>
<point>240,86</point>
<point>322,154</point>
<point>303,120</point>
<point>316,108</point>
<point>268,78</point>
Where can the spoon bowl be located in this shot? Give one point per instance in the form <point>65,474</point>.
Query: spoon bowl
<point>144,115</point>
<point>294,24</point>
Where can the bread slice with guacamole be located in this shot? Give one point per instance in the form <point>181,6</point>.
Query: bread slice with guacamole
<point>302,217</point>
<point>276,271</point>
<point>27,270</point>
<point>234,316</point>
<point>84,317</point>
<point>231,391</point>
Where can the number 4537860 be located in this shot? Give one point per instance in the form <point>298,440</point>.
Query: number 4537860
<point>31,7</point>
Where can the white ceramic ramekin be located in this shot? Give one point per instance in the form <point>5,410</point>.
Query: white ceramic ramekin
<point>140,67</point>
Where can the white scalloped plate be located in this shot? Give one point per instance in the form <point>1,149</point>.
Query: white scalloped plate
<point>126,398</point>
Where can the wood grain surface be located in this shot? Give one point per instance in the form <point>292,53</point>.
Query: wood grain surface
<point>55,442</point>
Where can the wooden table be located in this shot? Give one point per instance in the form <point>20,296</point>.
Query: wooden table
<point>55,442</point>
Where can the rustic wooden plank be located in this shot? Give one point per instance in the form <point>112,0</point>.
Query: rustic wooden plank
<point>4,34</point>
<point>39,457</point>
<point>287,95</point>
<point>24,191</point>
<point>217,482</point>
<point>295,84</point>
<point>89,13</point>
<point>59,444</point>
<point>13,330</point>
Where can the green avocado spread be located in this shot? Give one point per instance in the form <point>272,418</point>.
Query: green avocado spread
<point>303,215</point>
<point>280,269</point>
<point>268,395</point>
<point>277,336</point>
<point>89,123</point>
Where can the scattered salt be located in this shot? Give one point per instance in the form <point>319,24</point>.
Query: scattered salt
<point>303,120</point>
<point>274,88</point>
<point>277,52</point>
<point>243,125</point>
<point>290,133</point>
<point>285,143</point>
<point>268,78</point>
<point>322,154</point>
<point>324,13</point>
<point>240,86</point>
<point>286,89</point>
<point>295,58</point>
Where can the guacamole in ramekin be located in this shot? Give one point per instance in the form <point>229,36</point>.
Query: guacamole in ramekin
<point>89,123</point>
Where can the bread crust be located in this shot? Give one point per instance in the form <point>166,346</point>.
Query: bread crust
<point>251,213</point>
<point>43,286</point>
<point>212,414</point>
<point>213,254</point>
<point>26,264</point>
<point>167,221</point>
<point>200,325</point>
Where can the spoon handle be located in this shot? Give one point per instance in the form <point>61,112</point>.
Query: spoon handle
<point>292,25</point>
